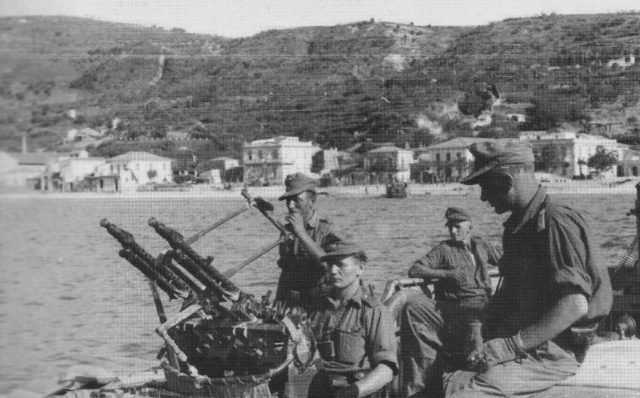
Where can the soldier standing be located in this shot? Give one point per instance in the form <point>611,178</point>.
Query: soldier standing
<point>302,272</point>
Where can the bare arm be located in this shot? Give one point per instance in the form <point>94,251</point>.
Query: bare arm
<point>297,226</point>
<point>375,380</point>
<point>567,310</point>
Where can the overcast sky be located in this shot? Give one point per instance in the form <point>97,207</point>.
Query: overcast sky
<point>236,18</point>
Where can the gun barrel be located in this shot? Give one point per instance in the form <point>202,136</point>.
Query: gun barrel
<point>152,274</point>
<point>199,274</point>
<point>177,243</point>
<point>194,284</point>
<point>128,242</point>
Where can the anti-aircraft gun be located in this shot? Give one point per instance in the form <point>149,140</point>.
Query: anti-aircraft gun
<point>221,332</point>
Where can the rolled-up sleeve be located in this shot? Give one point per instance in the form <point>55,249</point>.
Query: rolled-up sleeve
<point>430,261</point>
<point>381,344</point>
<point>569,252</point>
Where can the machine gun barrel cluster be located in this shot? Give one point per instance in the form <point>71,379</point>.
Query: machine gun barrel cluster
<point>203,336</point>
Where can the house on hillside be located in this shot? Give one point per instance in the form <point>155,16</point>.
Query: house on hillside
<point>569,151</point>
<point>388,163</point>
<point>447,161</point>
<point>269,161</point>
<point>131,170</point>
<point>622,62</point>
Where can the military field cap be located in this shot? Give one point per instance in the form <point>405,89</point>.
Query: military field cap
<point>491,154</point>
<point>343,249</point>
<point>297,183</point>
<point>456,214</point>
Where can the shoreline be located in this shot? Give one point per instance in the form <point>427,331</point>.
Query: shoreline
<point>273,192</point>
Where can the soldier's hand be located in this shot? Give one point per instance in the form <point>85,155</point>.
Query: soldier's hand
<point>455,277</point>
<point>494,352</point>
<point>297,222</point>
<point>350,391</point>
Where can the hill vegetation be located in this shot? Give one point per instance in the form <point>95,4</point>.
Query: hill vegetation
<point>333,85</point>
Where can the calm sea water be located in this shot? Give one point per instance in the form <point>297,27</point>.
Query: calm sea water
<point>67,298</point>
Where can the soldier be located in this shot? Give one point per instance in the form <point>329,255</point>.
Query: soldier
<point>459,268</point>
<point>302,273</point>
<point>354,332</point>
<point>552,284</point>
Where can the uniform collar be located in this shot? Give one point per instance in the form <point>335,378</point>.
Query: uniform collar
<point>313,220</point>
<point>359,298</point>
<point>514,225</point>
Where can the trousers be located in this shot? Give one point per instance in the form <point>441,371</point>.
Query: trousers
<point>540,370</point>
<point>428,328</point>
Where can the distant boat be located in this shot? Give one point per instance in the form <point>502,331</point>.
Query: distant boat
<point>396,190</point>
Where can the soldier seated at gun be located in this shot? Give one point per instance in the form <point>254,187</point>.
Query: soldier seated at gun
<point>354,332</point>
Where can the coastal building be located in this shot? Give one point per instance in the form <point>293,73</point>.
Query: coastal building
<point>325,161</point>
<point>629,165</point>
<point>446,161</point>
<point>23,170</point>
<point>269,161</point>
<point>389,163</point>
<point>570,151</point>
<point>131,170</point>
<point>74,170</point>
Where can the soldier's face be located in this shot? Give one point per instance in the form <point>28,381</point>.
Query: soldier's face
<point>344,272</point>
<point>304,203</point>
<point>459,230</point>
<point>495,189</point>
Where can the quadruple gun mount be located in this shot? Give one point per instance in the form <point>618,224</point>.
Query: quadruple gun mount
<point>221,330</point>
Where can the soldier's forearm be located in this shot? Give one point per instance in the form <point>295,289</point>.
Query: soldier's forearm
<point>563,314</point>
<point>375,380</point>
<point>312,247</point>
<point>420,271</point>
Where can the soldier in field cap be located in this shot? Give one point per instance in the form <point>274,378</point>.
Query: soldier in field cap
<point>302,272</point>
<point>553,285</point>
<point>431,329</point>
<point>354,332</point>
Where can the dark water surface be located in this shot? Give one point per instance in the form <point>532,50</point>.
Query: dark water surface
<point>66,297</point>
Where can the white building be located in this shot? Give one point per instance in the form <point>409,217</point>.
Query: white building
<point>135,169</point>
<point>623,62</point>
<point>391,160</point>
<point>75,168</point>
<point>23,170</point>
<point>270,160</point>
<point>449,160</point>
<point>574,148</point>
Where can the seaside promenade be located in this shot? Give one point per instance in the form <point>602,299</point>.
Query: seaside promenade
<point>612,187</point>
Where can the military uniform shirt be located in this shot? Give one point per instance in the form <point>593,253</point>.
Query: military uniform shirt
<point>474,261</point>
<point>300,271</point>
<point>547,254</point>
<point>362,332</point>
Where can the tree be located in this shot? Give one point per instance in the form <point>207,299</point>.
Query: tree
<point>603,160</point>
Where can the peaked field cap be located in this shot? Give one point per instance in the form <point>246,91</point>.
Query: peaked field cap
<point>297,183</point>
<point>456,214</point>
<point>343,249</point>
<point>491,154</point>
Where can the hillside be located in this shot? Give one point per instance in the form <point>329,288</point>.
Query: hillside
<point>381,80</point>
